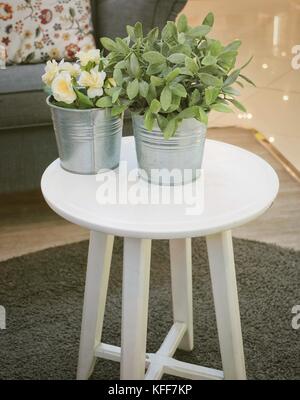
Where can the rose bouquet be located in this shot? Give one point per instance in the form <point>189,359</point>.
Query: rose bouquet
<point>88,132</point>
<point>78,85</point>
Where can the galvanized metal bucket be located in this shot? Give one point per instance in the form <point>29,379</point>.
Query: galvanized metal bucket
<point>173,161</point>
<point>87,140</point>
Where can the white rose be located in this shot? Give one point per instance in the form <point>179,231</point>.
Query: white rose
<point>72,68</point>
<point>62,88</point>
<point>51,70</point>
<point>92,80</point>
<point>85,57</point>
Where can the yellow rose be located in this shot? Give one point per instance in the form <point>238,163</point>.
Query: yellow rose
<point>94,81</point>
<point>85,57</point>
<point>72,68</point>
<point>62,88</point>
<point>51,70</point>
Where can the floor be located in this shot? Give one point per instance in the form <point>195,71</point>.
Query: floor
<point>270,31</point>
<point>28,225</point>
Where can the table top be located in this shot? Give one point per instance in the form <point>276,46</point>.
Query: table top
<point>235,187</point>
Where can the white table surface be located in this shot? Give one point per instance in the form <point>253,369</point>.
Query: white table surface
<point>236,187</point>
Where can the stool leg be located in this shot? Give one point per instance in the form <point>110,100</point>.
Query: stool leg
<point>97,276</point>
<point>182,292</point>
<point>136,272</point>
<point>222,270</point>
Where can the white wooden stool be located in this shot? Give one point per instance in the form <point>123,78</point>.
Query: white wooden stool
<point>237,186</point>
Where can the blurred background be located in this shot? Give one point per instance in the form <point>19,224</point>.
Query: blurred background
<point>269,30</point>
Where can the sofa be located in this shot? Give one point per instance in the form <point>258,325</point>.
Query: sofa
<point>27,142</point>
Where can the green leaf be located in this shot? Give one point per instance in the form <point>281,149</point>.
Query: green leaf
<point>232,77</point>
<point>209,19</point>
<point>181,49</point>
<point>84,100</point>
<point>149,120</point>
<point>151,94</point>
<point>191,65</point>
<point>178,89</point>
<point>190,112</point>
<point>230,90</point>
<point>194,98</point>
<point>118,76</point>
<point>116,94</point>
<point>209,60</point>
<point>181,38</point>
<point>227,60</point>
<point>238,105</point>
<point>175,104</point>
<point>210,80</point>
<point>233,46</point>
<point>155,69</point>
<point>220,107</point>
<point>121,65</point>
<point>155,106</point>
<point>172,75</point>
<point>88,66</point>
<point>247,80</point>
<point>132,89</point>
<point>182,23</point>
<point>138,30</point>
<point>170,128</point>
<point>153,35</point>
<point>134,65</point>
<point>117,109</point>
<point>143,88</point>
<point>177,58</point>
<point>169,31</point>
<point>202,116</point>
<point>104,102</point>
<point>185,71</point>
<point>130,32</point>
<point>63,105</point>
<point>156,80</point>
<point>166,98</point>
<point>199,31</point>
<point>246,63</point>
<point>122,46</point>
<point>154,57</point>
<point>108,44</point>
<point>215,47</point>
<point>211,94</point>
<point>162,122</point>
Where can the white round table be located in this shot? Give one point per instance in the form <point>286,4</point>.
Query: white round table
<point>235,187</point>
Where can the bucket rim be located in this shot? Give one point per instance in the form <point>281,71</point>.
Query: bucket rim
<point>73,109</point>
<point>139,118</point>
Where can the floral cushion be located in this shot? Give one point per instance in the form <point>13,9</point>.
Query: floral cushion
<point>33,31</point>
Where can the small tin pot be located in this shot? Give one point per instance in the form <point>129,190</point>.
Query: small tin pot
<point>173,161</point>
<point>87,140</point>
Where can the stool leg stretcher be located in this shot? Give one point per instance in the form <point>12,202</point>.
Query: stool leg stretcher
<point>162,362</point>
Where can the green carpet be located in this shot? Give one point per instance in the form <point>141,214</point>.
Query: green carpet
<point>42,293</point>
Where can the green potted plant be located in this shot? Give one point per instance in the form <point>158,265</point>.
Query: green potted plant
<point>170,81</point>
<point>88,134</point>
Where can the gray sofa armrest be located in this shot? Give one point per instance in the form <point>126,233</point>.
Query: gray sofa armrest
<point>111,16</point>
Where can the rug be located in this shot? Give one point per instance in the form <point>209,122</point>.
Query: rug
<point>42,293</point>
